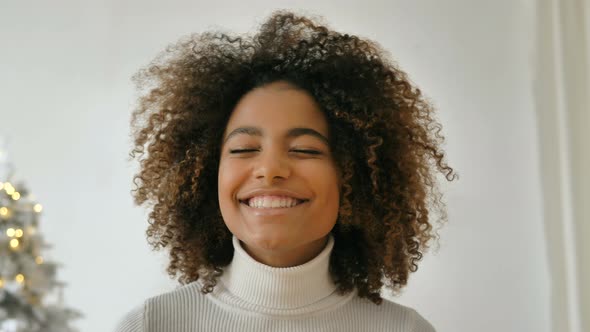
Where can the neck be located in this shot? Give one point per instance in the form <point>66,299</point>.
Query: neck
<point>287,258</point>
<point>279,287</point>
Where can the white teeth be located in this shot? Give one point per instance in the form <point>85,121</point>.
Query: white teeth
<point>269,202</point>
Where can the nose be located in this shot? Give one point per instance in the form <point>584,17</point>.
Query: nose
<point>271,166</point>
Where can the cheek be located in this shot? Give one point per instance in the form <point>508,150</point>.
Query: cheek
<point>326,183</point>
<point>227,182</point>
<point>327,189</point>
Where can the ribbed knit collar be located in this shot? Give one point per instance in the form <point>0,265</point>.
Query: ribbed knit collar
<point>279,288</point>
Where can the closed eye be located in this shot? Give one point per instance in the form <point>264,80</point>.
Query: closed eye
<point>242,150</point>
<point>308,151</point>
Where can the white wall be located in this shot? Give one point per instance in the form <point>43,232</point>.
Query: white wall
<point>66,99</point>
<point>562,103</point>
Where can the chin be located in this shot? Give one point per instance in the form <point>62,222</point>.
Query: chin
<point>269,242</point>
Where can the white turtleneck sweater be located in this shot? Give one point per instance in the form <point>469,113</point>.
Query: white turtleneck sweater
<point>251,296</point>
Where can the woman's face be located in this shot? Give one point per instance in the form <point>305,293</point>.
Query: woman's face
<point>278,183</point>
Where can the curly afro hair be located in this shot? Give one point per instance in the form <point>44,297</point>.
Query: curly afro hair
<point>383,136</point>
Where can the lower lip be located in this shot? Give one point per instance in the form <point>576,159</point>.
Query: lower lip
<point>272,211</point>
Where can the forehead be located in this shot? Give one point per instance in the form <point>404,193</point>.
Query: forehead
<point>277,107</point>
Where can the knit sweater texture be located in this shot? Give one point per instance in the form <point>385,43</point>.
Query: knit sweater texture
<point>250,296</point>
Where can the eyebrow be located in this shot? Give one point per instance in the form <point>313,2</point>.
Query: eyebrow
<point>292,133</point>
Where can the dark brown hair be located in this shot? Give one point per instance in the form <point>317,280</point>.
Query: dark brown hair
<point>383,136</point>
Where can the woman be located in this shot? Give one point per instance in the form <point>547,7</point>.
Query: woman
<point>290,175</point>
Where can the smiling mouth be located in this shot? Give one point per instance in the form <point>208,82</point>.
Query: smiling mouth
<point>285,203</point>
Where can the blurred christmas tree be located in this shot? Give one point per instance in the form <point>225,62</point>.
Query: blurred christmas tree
<point>27,281</point>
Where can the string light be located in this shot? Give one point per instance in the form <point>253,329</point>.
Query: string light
<point>10,232</point>
<point>38,208</point>
<point>3,211</point>
<point>1,283</point>
<point>39,260</point>
<point>14,243</point>
<point>18,233</point>
<point>9,189</point>
<point>20,278</point>
<point>16,196</point>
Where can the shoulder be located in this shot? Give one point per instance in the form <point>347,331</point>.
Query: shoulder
<point>395,316</point>
<point>186,296</point>
<point>132,321</point>
<point>180,302</point>
<point>420,324</point>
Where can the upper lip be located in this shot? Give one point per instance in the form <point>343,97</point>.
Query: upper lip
<point>271,192</point>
